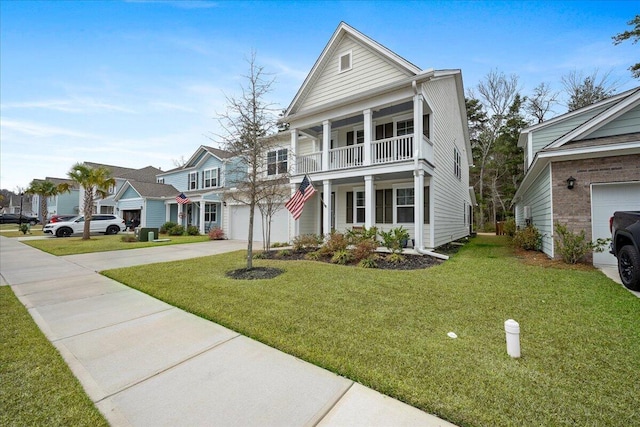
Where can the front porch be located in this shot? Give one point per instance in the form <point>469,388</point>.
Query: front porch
<point>384,201</point>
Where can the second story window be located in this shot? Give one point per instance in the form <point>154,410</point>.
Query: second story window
<point>160,180</point>
<point>193,181</point>
<point>404,127</point>
<point>457,170</point>
<point>211,178</point>
<point>277,162</point>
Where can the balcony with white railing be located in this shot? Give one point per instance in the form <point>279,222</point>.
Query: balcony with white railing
<point>383,151</point>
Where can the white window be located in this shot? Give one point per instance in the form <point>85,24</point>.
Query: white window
<point>457,170</point>
<point>344,63</point>
<point>404,205</point>
<point>359,207</point>
<point>277,162</point>
<point>210,178</point>
<point>160,180</point>
<point>193,181</point>
<point>404,127</point>
<point>210,212</point>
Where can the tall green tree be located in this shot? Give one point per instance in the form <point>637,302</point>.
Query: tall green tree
<point>634,36</point>
<point>45,189</point>
<point>95,183</point>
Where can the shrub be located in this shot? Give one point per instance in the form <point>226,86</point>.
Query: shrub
<point>370,262</point>
<point>128,238</point>
<point>192,230</point>
<point>364,249</point>
<point>395,239</point>
<point>395,258</point>
<point>528,238</point>
<point>306,242</point>
<point>337,242</point>
<point>574,246</point>
<point>342,257</point>
<point>166,227</point>
<point>283,253</point>
<point>313,256</point>
<point>509,227</point>
<point>260,255</point>
<point>25,228</point>
<point>355,236</point>
<point>216,233</point>
<point>176,230</point>
<point>279,244</point>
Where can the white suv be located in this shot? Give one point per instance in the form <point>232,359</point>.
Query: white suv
<point>107,224</point>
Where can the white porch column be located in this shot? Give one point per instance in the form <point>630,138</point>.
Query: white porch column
<point>180,208</point>
<point>326,144</point>
<point>201,216</point>
<point>368,136</point>
<point>418,210</point>
<point>293,151</point>
<point>432,216</point>
<point>418,112</point>
<point>326,217</point>
<point>370,202</point>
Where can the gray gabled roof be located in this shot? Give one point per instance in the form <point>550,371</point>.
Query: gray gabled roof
<point>151,189</point>
<point>147,174</point>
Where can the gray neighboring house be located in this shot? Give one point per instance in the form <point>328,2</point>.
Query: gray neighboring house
<point>580,168</point>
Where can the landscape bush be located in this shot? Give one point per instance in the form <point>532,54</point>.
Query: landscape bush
<point>395,239</point>
<point>307,242</point>
<point>216,233</point>
<point>176,230</point>
<point>335,243</point>
<point>509,227</point>
<point>528,238</point>
<point>355,236</point>
<point>192,230</point>
<point>167,226</point>
<point>573,247</point>
<point>342,257</point>
<point>364,249</point>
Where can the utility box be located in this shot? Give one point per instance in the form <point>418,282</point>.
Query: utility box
<point>147,234</point>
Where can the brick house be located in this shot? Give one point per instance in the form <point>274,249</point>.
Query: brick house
<point>580,168</point>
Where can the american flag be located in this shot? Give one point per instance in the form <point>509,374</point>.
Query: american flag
<point>182,199</point>
<point>304,193</point>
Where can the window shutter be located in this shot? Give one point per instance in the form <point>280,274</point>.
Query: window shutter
<point>425,126</point>
<point>426,205</point>
<point>349,207</point>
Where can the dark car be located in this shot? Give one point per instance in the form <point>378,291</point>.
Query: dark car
<point>9,218</point>
<point>60,218</point>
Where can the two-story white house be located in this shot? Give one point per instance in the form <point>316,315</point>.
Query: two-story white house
<point>384,142</point>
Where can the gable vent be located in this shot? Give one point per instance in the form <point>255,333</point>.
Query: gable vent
<point>345,62</point>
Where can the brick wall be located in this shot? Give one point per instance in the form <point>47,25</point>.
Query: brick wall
<point>573,207</point>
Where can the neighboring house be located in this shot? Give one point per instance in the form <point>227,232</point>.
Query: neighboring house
<point>384,142</point>
<point>121,175</point>
<point>63,203</point>
<point>580,168</point>
<point>28,205</point>
<point>202,180</point>
<point>144,203</point>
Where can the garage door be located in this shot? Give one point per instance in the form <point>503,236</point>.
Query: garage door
<point>239,225</point>
<point>605,200</point>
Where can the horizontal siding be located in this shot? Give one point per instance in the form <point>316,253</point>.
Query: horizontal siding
<point>546,136</point>
<point>155,213</point>
<point>67,203</point>
<point>130,193</point>
<point>626,123</point>
<point>369,71</point>
<point>451,195</point>
<point>132,204</point>
<point>538,197</point>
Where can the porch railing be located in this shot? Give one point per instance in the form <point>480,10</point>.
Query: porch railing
<point>392,149</point>
<point>382,151</point>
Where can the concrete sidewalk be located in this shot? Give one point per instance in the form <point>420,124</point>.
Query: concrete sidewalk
<point>146,363</point>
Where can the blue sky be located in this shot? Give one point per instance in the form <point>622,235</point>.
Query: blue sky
<point>140,83</point>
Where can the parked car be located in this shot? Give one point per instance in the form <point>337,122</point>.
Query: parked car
<point>9,218</point>
<point>625,245</point>
<point>107,224</point>
<point>61,218</point>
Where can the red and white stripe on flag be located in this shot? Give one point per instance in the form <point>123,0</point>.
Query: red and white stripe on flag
<point>304,193</point>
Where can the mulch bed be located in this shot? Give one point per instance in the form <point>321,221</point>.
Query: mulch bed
<point>255,273</point>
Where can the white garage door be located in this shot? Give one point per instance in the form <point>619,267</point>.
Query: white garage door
<point>239,225</point>
<point>605,200</point>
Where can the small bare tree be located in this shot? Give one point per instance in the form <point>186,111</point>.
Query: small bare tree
<point>272,195</point>
<point>248,123</point>
<point>541,101</point>
<point>583,91</point>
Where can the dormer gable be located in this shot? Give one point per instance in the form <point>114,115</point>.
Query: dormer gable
<point>350,63</point>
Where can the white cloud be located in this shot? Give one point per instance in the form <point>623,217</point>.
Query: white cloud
<point>71,105</point>
<point>40,130</point>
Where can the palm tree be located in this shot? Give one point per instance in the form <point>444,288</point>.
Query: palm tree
<point>96,183</point>
<point>46,189</point>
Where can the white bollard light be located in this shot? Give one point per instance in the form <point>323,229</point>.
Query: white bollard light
<point>512,329</point>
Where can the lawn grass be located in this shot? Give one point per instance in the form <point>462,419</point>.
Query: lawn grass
<point>388,330</point>
<point>37,388</point>
<point>101,243</point>
<point>13,230</point>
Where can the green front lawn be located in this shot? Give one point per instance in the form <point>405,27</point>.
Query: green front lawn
<point>388,330</point>
<point>100,243</point>
<point>36,386</point>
